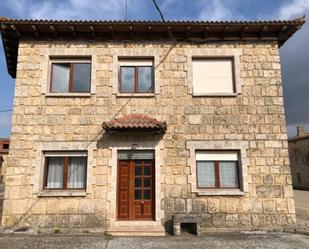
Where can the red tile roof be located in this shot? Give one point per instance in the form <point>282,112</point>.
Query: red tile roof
<point>135,122</point>
<point>198,32</point>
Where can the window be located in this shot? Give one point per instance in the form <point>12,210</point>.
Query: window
<point>136,76</point>
<point>6,146</point>
<point>213,76</point>
<point>70,77</point>
<point>65,170</point>
<point>217,169</point>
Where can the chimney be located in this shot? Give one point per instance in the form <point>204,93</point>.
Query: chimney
<point>301,131</point>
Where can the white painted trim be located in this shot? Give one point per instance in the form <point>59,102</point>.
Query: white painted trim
<point>65,153</point>
<point>135,62</point>
<point>241,146</point>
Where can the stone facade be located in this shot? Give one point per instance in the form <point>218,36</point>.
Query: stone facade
<point>4,151</point>
<point>299,155</point>
<point>252,121</point>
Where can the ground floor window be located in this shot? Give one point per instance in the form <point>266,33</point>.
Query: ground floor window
<point>217,169</point>
<point>65,170</point>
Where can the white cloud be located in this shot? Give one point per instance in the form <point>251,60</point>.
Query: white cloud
<point>293,9</point>
<point>206,9</point>
<point>219,10</point>
<point>70,9</point>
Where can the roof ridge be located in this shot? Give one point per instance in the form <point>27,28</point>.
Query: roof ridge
<point>4,19</point>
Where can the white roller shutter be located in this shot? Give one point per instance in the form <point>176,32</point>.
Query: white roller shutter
<point>135,63</point>
<point>212,76</point>
<point>216,155</point>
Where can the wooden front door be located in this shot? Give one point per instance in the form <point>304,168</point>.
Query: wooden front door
<point>135,189</point>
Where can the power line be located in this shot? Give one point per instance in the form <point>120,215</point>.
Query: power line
<point>126,12</point>
<point>158,9</point>
<point>163,20</point>
<point>8,110</point>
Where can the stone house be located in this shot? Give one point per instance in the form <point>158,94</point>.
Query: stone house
<point>299,158</point>
<point>121,125</point>
<point>4,151</point>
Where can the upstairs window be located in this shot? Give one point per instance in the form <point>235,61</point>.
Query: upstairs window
<point>65,170</point>
<point>217,169</point>
<point>70,76</point>
<point>136,76</point>
<point>213,76</point>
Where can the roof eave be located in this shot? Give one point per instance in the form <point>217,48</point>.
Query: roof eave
<point>12,30</point>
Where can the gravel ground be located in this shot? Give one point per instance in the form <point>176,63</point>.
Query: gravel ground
<point>263,241</point>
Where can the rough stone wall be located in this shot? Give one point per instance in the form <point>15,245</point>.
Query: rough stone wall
<point>299,155</point>
<point>255,116</point>
<point>3,165</point>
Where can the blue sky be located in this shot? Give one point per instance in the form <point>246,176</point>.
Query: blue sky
<point>294,54</point>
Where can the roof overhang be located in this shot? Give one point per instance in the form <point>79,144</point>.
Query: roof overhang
<point>135,123</point>
<point>13,30</point>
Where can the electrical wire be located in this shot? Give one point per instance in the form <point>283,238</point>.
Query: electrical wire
<point>8,110</point>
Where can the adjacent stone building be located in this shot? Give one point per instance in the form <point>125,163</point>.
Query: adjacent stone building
<point>4,151</point>
<point>119,126</point>
<point>299,158</point>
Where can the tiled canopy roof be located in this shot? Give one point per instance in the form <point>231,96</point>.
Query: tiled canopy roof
<point>135,122</point>
<point>12,30</point>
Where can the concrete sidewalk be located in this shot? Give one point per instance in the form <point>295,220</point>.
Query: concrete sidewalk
<point>260,241</point>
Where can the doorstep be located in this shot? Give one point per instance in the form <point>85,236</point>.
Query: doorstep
<point>136,228</point>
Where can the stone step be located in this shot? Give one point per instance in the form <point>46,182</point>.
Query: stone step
<point>136,229</point>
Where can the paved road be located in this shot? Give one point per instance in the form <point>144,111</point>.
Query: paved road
<point>263,241</point>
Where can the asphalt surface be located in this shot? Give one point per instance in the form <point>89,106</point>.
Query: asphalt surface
<point>262,241</point>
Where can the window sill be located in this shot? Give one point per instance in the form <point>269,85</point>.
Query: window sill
<point>81,95</point>
<point>62,193</point>
<point>214,94</point>
<point>136,95</point>
<point>235,192</point>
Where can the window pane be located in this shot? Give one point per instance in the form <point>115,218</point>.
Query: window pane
<point>147,170</point>
<point>127,79</point>
<point>60,77</point>
<point>146,194</point>
<point>228,175</point>
<point>76,172</point>
<point>145,79</point>
<point>138,182</point>
<point>147,182</point>
<point>138,194</point>
<point>81,77</point>
<point>138,170</point>
<point>55,172</point>
<point>206,174</point>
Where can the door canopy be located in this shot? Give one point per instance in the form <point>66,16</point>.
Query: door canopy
<point>135,122</point>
